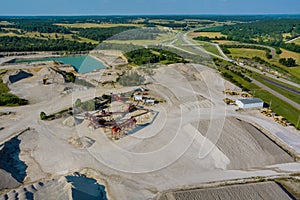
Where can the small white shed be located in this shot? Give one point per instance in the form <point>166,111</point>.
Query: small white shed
<point>250,103</point>
<point>138,97</point>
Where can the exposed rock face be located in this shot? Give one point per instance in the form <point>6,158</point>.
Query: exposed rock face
<point>12,168</point>
<point>53,75</point>
<point>16,76</point>
<point>75,186</point>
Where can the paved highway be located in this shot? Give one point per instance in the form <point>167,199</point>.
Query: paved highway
<point>198,49</point>
<point>186,40</point>
<point>289,101</point>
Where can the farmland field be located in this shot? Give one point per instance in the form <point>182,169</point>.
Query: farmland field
<point>211,48</point>
<point>290,54</point>
<point>225,42</point>
<point>247,53</point>
<point>206,34</point>
<point>94,25</point>
<point>297,41</point>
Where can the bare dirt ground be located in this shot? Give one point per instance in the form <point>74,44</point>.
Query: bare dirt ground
<point>255,191</point>
<point>194,139</point>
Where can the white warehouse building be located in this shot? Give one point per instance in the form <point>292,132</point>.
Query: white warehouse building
<point>250,103</point>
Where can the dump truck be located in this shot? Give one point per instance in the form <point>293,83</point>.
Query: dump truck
<point>45,80</point>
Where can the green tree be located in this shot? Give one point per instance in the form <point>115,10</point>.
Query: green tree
<point>290,62</point>
<point>77,103</point>
<point>43,116</point>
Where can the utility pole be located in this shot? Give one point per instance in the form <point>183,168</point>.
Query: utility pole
<point>298,121</point>
<point>270,104</point>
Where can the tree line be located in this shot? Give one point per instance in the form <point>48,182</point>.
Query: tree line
<point>37,25</point>
<point>101,34</point>
<point>32,44</point>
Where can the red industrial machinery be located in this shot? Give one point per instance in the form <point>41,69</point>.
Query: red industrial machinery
<point>105,119</point>
<point>118,130</point>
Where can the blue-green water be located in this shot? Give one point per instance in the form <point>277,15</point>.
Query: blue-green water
<point>82,64</point>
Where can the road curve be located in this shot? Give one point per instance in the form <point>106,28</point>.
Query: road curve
<point>296,105</point>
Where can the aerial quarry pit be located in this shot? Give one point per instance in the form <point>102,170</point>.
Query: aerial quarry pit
<point>172,138</point>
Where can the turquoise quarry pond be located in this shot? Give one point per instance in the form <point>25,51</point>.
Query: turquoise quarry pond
<point>82,64</point>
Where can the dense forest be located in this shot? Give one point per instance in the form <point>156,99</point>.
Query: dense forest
<point>151,56</point>
<point>37,26</point>
<point>270,29</point>
<point>101,34</point>
<point>268,32</point>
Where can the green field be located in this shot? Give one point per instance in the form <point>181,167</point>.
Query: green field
<point>294,71</point>
<point>211,48</point>
<point>280,107</point>
<point>297,41</point>
<point>247,53</point>
<point>208,47</point>
<point>211,35</point>
<point>229,42</point>
<point>290,54</point>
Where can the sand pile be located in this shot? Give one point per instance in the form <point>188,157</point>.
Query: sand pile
<point>263,191</point>
<point>244,145</point>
